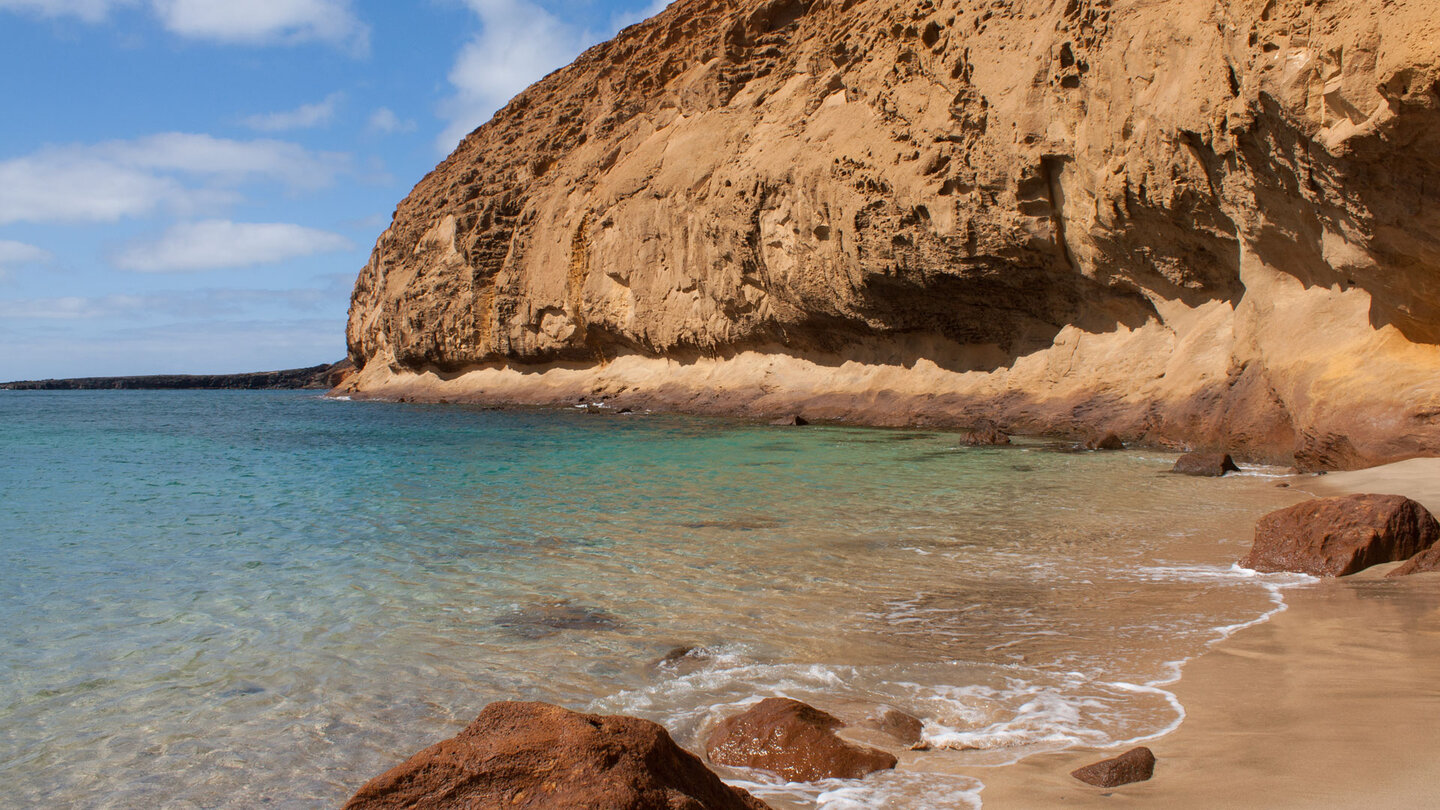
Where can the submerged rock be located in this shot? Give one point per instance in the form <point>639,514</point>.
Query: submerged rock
<point>790,421</point>
<point>792,739</point>
<point>986,434</point>
<point>904,728</point>
<point>548,618</point>
<point>1211,465</point>
<point>1109,441</point>
<point>535,755</point>
<point>678,654</point>
<point>1135,765</point>
<point>1332,537</point>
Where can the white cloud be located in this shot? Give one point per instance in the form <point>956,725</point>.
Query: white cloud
<point>243,22</point>
<point>265,22</point>
<point>385,121</point>
<point>218,243</point>
<point>306,116</point>
<point>518,43</point>
<point>208,155</point>
<point>109,181</point>
<point>14,254</point>
<point>88,10</point>
<point>189,305</point>
<point>623,19</point>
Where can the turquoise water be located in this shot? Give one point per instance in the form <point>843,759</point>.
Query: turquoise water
<point>229,599</point>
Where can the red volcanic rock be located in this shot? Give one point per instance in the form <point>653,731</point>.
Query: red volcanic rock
<point>1109,441</point>
<point>905,728</point>
<point>986,433</point>
<point>1422,563</point>
<point>794,740</point>
<point>1212,465</point>
<point>1332,537</point>
<point>1135,765</point>
<point>534,755</point>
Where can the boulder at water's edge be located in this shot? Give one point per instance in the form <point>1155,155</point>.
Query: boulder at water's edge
<point>794,740</point>
<point>1205,465</point>
<point>1135,765</point>
<point>535,755</point>
<point>1332,537</point>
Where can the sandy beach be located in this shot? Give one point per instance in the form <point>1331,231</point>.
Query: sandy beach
<point>1331,703</point>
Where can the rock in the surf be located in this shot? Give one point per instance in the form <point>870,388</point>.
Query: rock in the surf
<point>1332,537</point>
<point>790,421</point>
<point>792,739</point>
<point>535,755</point>
<point>1207,465</point>
<point>903,727</point>
<point>1135,765</point>
<point>1109,441</point>
<point>986,434</point>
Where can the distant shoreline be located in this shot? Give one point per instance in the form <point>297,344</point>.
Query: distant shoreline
<point>323,376</point>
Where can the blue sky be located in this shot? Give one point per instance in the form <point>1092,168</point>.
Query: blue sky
<point>192,185</point>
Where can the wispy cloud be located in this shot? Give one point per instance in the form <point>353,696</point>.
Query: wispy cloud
<point>178,304</point>
<point>306,116</point>
<point>246,22</point>
<point>181,171</point>
<point>626,18</point>
<point>16,254</point>
<point>71,349</point>
<point>386,122</point>
<point>518,42</point>
<point>88,10</point>
<point>218,243</point>
<point>265,22</point>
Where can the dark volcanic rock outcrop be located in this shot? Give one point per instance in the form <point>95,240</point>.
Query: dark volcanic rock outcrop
<point>794,740</point>
<point>534,755</point>
<point>1061,214</point>
<point>1332,537</point>
<point>317,377</point>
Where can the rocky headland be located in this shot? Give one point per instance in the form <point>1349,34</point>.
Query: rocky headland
<point>1193,223</point>
<point>327,375</point>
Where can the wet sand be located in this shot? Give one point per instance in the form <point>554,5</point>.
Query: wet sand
<point>1331,703</point>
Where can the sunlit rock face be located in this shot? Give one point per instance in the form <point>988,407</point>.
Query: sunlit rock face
<point>1199,223</point>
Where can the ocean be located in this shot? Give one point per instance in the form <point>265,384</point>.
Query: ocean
<point>243,599</point>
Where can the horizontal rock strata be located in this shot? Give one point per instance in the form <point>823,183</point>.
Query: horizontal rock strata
<point>1189,222</point>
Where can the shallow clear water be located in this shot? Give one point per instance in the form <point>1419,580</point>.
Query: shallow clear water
<point>226,599</point>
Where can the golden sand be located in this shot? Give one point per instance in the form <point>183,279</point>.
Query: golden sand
<point>1332,703</point>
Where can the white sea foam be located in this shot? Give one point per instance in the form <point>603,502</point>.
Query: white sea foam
<point>884,790</point>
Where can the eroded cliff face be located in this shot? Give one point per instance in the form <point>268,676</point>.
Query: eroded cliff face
<point>1195,222</point>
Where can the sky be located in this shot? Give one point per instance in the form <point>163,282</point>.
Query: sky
<point>191,186</point>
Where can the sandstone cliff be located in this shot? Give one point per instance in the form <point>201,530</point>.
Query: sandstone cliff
<point>1196,222</point>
